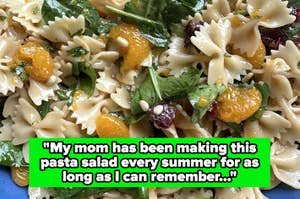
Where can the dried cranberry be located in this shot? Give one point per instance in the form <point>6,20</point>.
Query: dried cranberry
<point>272,38</point>
<point>213,111</point>
<point>190,29</point>
<point>165,118</point>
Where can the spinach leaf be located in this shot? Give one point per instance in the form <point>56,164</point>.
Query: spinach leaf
<point>294,3</point>
<point>154,31</point>
<point>170,87</point>
<point>86,75</point>
<point>20,71</point>
<point>66,94</point>
<point>156,18</point>
<point>11,155</point>
<point>150,9</point>
<point>154,80</point>
<point>59,8</point>
<point>77,52</point>
<point>265,93</point>
<point>206,95</point>
<point>2,18</point>
<point>78,193</point>
<point>176,10</point>
<point>44,109</point>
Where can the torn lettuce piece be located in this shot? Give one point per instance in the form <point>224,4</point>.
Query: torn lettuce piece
<point>170,88</point>
<point>11,155</point>
<point>202,97</point>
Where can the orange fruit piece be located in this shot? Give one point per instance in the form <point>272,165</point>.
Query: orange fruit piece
<point>25,52</point>
<point>257,59</point>
<point>109,126</point>
<point>42,66</point>
<point>39,63</point>
<point>238,104</point>
<point>138,47</point>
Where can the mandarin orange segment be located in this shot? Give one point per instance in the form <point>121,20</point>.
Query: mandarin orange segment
<point>42,66</point>
<point>238,104</point>
<point>111,127</point>
<point>25,52</point>
<point>257,59</point>
<point>138,47</point>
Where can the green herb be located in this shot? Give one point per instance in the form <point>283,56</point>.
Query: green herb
<point>78,193</point>
<point>298,65</point>
<point>77,52</point>
<point>154,31</point>
<point>177,29</point>
<point>35,10</point>
<point>293,32</point>
<point>227,54</point>
<point>2,18</point>
<point>206,93</point>
<point>87,77</point>
<point>176,10</point>
<point>265,93</point>
<point>170,87</point>
<point>20,71</point>
<point>44,109</point>
<point>154,80</point>
<point>155,18</point>
<point>49,48</point>
<point>241,12</point>
<point>11,155</point>
<point>66,94</point>
<point>294,3</point>
<point>59,8</point>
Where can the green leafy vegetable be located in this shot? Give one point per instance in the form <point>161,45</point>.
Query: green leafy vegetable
<point>154,31</point>
<point>77,52</point>
<point>154,80</point>
<point>155,18</point>
<point>265,93</point>
<point>11,155</point>
<point>59,8</point>
<point>241,12</point>
<point>87,77</point>
<point>66,94</point>
<point>176,10</point>
<point>78,193</point>
<point>2,18</point>
<point>43,109</point>
<point>206,93</point>
<point>294,3</point>
<point>170,87</point>
<point>20,71</point>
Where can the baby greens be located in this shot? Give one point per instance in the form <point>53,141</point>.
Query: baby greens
<point>170,87</point>
<point>59,8</point>
<point>86,75</point>
<point>11,155</point>
<point>156,19</point>
<point>207,93</point>
<point>43,109</point>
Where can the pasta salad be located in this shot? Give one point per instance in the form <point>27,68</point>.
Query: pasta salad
<point>147,68</point>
